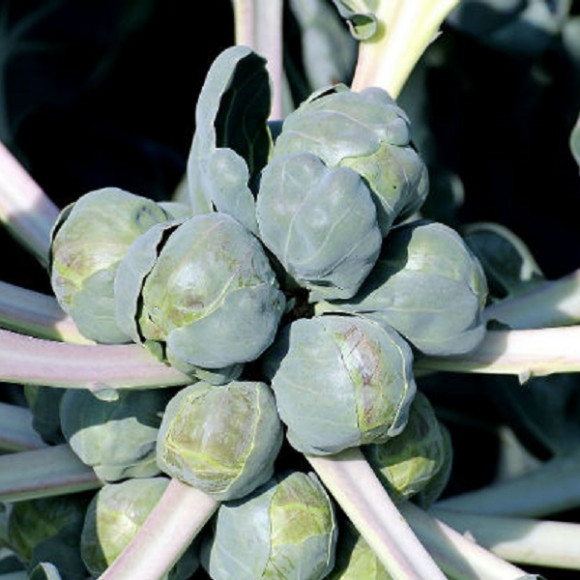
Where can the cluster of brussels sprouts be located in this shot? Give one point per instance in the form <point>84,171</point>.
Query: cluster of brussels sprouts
<point>295,284</point>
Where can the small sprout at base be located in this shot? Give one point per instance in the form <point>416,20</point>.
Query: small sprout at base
<point>89,239</point>
<point>222,440</point>
<point>116,438</point>
<point>288,527</point>
<point>339,382</point>
<point>115,514</point>
<point>417,462</point>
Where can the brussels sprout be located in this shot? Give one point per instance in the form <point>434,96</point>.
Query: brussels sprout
<point>289,531</point>
<point>367,132</point>
<point>33,521</point>
<point>355,559</point>
<point>222,440</point>
<point>319,222</point>
<point>340,381</point>
<point>44,403</point>
<point>203,290</point>
<point>88,241</point>
<point>116,438</point>
<point>114,516</point>
<point>408,464</point>
<point>429,286</point>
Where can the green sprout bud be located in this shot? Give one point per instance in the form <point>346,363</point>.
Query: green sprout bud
<point>115,515</point>
<point>222,440</point>
<point>367,132</point>
<point>355,559</point>
<point>319,222</point>
<point>196,288</point>
<point>418,460</point>
<point>340,381</point>
<point>289,531</point>
<point>117,438</point>
<point>88,241</point>
<point>44,404</point>
<point>33,521</point>
<point>429,286</point>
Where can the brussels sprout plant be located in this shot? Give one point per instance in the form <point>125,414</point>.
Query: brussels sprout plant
<point>309,353</point>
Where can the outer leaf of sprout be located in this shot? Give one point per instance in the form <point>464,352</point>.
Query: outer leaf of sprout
<point>340,381</point>
<point>221,440</point>
<point>36,520</point>
<point>355,559</point>
<point>44,403</point>
<point>427,285</point>
<point>367,132</point>
<point>45,571</point>
<point>117,438</point>
<point>289,529</point>
<point>114,516</point>
<point>212,296</point>
<point>89,239</point>
<point>410,462</point>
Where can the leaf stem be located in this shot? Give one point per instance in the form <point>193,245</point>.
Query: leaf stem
<point>172,525</point>
<point>25,209</point>
<point>16,431</point>
<point>50,471</point>
<point>524,353</point>
<point>36,314</point>
<point>355,487</point>
<point>524,540</point>
<point>24,359</point>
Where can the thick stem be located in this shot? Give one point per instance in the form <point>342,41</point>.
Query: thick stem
<point>16,431</point>
<point>25,209</point>
<point>24,359</point>
<point>551,488</point>
<point>524,353</point>
<point>258,24</point>
<point>36,314</point>
<point>172,525</point>
<point>44,472</point>
<point>524,540</point>
<point>355,487</point>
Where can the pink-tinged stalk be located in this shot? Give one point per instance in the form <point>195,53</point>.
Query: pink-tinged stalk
<point>168,531</point>
<point>50,471</point>
<point>25,209</point>
<point>28,360</point>
<point>16,430</point>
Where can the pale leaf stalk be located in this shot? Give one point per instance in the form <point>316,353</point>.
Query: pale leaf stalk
<point>526,541</point>
<point>46,472</point>
<point>355,487</point>
<point>524,353</point>
<point>460,557</point>
<point>16,431</point>
<point>36,314</point>
<point>549,304</point>
<point>258,24</point>
<point>549,489</point>
<point>35,361</point>
<point>405,30</point>
<point>170,528</point>
<point>15,576</point>
<point>26,211</point>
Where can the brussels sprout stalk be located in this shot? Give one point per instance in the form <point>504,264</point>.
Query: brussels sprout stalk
<point>169,529</point>
<point>525,353</point>
<point>17,433</point>
<point>523,540</point>
<point>44,472</point>
<point>404,30</point>
<point>24,359</point>
<point>36,314</point>
<point>551,488</point>
<point>548,304</point>
<point>24,208</point>
<point>354,486</point>
<point>257,24</point>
